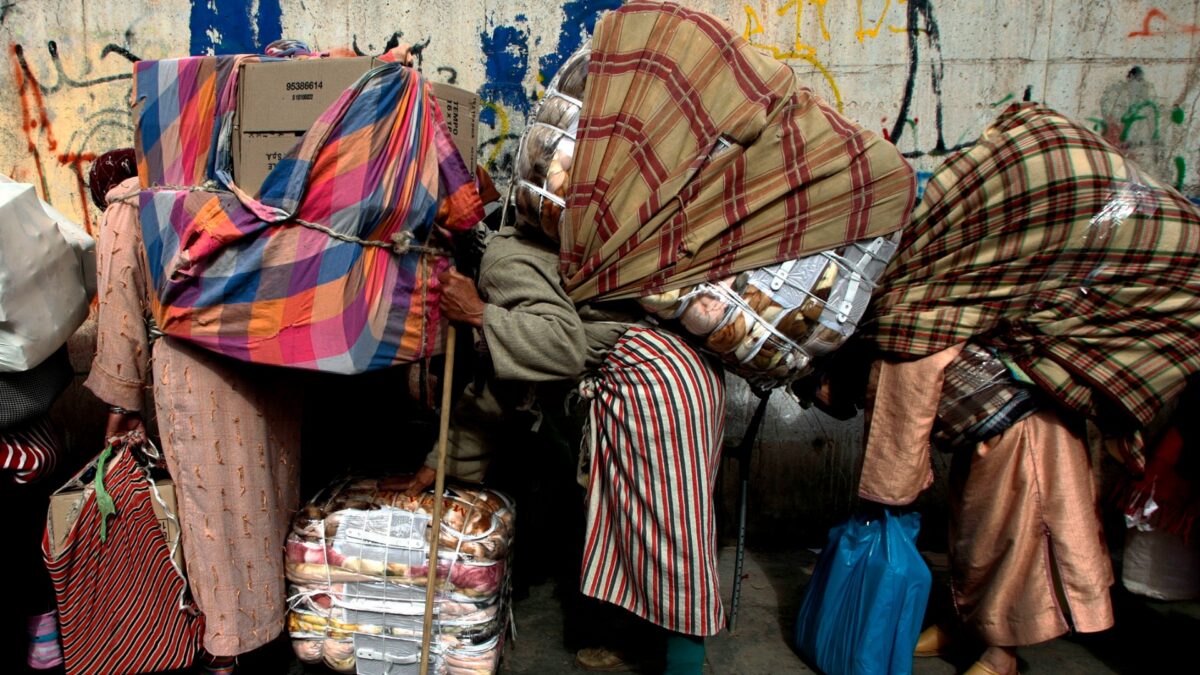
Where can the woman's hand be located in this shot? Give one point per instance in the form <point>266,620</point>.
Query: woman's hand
<point>121,422</point>
<point>411,485</point>
<point>402,54</point>
<point>460,301</point>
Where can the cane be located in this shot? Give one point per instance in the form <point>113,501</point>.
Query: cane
<point>439,487</point>
<point>743,452</point>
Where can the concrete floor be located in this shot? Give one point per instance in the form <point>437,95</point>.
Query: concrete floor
<point>1149,636</point>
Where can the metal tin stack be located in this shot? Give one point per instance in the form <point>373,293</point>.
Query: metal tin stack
<point>547,148</point>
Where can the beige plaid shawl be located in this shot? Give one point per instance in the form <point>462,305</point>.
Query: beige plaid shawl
<point>1044,242</point>
<point>699,157</point>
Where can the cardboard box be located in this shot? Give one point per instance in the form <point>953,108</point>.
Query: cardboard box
<point>461,110</point>
<point>291,95</point>
<point>255,154</point>
<point>65,505</point>
<point>279,100</point>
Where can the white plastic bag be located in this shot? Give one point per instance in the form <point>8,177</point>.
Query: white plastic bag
<point>47,277</point>
<point>1161,565</point>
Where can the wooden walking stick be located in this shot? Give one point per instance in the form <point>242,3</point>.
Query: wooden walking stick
<point>439,487</point>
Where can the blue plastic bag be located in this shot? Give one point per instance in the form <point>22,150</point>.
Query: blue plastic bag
<point>863,609</point>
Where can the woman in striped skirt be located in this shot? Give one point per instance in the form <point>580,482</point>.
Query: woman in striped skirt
<point>654,435</point>
<point>655,431</point>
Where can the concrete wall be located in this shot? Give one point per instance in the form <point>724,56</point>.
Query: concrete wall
<point>927,74</point>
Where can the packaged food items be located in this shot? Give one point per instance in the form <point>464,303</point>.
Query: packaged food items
<point>357,562</point>
<point>547,148</point>
<point>769,324</point>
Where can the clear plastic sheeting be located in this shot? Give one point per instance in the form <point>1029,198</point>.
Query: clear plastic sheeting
<point>357,566</point>
<point>980,399</point>
<point>547,148</point>
<point>769,324</point>
<point>1127,199</point>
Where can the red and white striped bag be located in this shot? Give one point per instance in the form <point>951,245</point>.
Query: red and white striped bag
<point>30,451</point>
<point>123,603</point>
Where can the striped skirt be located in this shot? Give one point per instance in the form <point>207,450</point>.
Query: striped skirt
<point>656,423</point>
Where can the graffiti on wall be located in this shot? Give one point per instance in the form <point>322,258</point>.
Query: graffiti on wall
<point>234,26</point>
<point>1157,24</point>
<point>801,32</point>
<point>507,63</point>
<point>107,126</point>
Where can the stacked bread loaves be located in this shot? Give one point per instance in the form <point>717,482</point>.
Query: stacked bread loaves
<point>768,324</point>
<point>548,147</point>
<point>357,563</point>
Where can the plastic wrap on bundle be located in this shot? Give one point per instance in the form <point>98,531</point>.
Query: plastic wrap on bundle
<point>1127,199</point>
<point>547,148</point>
<point>357,563</point>
<point>980,399</point>
<point>769,324</point>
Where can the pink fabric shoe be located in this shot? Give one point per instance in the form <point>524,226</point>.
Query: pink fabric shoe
<point>44,651</point>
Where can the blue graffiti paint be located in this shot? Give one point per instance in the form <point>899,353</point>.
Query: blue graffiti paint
<point>505,64</point>
<point>506,55</point>
<point>228,27</point>
<point>578,21</point>
<point>922,180</point>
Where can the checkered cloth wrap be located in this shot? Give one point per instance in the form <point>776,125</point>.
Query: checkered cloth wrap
<point>980,399</point>
<point>239,275</point>
<point>1043,241</point>
<point>699,157</point>
<point>28,394</point>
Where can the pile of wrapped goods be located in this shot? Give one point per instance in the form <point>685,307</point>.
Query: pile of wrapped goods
<point>548,146</point>
<point>769,324</point>
<point>766,325</point>
<point>357,564</point>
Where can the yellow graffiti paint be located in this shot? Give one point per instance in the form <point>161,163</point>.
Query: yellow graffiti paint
<point>753,25</point>
<point>502,122</point>
<point>837,94</point>
<point>799,49</point>
<point>798,5</point>
<point>863,32</point>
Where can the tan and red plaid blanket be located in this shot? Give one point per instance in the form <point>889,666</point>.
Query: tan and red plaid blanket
<point>699,157</point>
<point>1043,241</point>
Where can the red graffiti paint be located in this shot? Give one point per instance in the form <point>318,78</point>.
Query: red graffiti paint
<point>76,160</point>
<point>34,117</point>
<point>1169,25</point>
<point>28,87</point>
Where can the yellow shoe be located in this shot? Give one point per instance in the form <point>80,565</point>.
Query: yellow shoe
<point>600,659</point>
<point>981,668</point>
<point>933,641</point>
